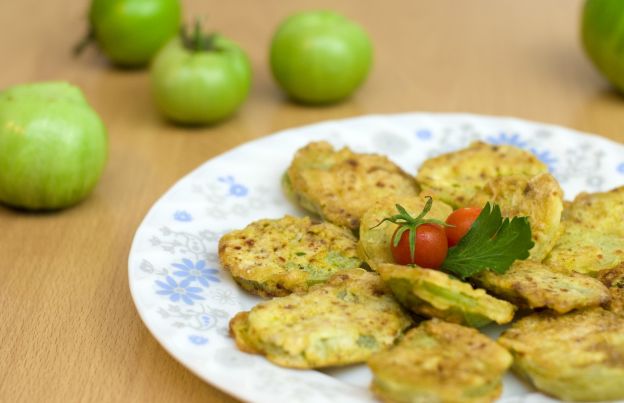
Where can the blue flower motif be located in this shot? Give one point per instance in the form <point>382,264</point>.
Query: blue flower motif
<point>515,140</point>
<point>207,320</point>
<point>199,340</point>
<point>424,134</point>
<point>196,272</point>
<point>546,158</point>
<point>508,139</point>
<point>620,168</point>
<point>236,189</point>
<point>177,291</point>
<point>182,215</point>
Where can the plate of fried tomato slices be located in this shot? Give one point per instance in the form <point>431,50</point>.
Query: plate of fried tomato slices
<point>402,258</point>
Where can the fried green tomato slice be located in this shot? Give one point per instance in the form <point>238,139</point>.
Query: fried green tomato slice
<point>456,177</point>
<point>534,285</point>
<point>434,294</point>
<point>614,280</point>
<point>539,197</point>
<point>277,257</point>
<point>440,362</point>
<point>593,233</point>
<point>375,238</point>
<point>578,356</point>
<point>340,322</point>
<point>340,185</point>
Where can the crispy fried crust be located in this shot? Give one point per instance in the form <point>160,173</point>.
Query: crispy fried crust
<point>239,327</point>
<point>277,257</point>
<point>535,285</point>
<point>374,243</point>
<point>457,177</point>
<point>539,197</point>
<point>614,279</point>
<point>340,322</point>
<point>435,294</point>
<point>440,362</point>
<point>593,233</point>
<point>340,185</point>
<point>578,356</point>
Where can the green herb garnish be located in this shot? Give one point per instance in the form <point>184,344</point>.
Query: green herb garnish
<point>492,243</point>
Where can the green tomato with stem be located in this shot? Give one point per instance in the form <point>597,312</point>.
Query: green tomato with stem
<point>130,32</point>
<point>200,79</point>
<point>53,146</point>
<point>320,57</point>
<point>602,35</point>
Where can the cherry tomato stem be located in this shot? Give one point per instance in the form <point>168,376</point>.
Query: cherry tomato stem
<point>430,247</point>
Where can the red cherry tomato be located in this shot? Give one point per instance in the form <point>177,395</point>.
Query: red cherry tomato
<point>431,247</point>
<point>461,221</point>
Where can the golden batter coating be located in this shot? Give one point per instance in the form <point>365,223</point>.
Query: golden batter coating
<point>434,294</point>
<point>456,177</point>
<point>341,185</point>
<point>534,285</point>
<point>341,322</point>
<point>593,233</point>
<point>614,280</point>
<point>578,356</point>
<point>440,362</point>
<point>374,243</point>
<point>239,328</point>
<point>277,257</point>
<point>539,197</point>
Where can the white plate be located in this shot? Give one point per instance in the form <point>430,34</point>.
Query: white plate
<point>185,299</point>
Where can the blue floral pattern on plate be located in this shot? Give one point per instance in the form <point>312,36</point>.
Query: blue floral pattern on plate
<point>196,272</point>
<point>179,291</point>
<point>182,216</point>
<point>198,340</point>
<point>423,134</point>
<point>514,139</point>
<point>187,300</point>
<point>235,189</point>
<point>507,139</point>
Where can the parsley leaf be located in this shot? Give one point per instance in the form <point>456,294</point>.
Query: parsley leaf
<point>493,243</point>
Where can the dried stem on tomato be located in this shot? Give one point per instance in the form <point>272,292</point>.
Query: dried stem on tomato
<point>408,223</point>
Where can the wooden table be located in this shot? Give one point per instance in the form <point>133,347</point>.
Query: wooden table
<point>68,327</point>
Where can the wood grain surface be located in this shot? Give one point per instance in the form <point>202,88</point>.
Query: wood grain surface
<point>68,328</point>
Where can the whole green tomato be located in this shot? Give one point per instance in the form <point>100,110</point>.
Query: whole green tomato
<point>320,56</point>
<point>130,32</point>
<point>53,146</point>
<point>603,38</point>
<point>200,79</point>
